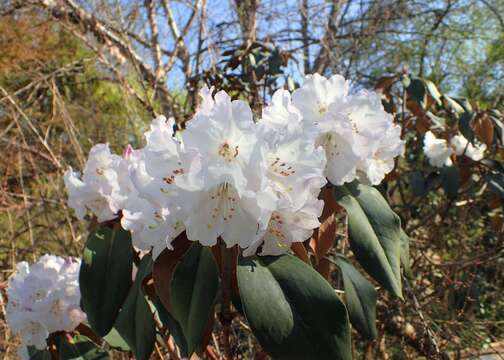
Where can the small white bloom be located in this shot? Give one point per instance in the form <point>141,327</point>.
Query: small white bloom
<point>44,298</point>
<point>104,186</point>
<point>462,146</point>
<point>373,169</point>
<point>352,128</point>
<point>437,150</point>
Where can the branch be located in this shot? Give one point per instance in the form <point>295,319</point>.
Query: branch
<point>86,22</point>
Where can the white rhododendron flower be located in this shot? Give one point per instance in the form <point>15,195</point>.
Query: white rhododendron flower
<point>288,226</point>
<point>295,169</point>
<point>439,151</point>
<point>317,94</point>
<point>373,169</point>
<point>227,196</point>
<point>44,298</point>
<point>355,130</point>
<point>294,163</point>
<point>146,214</point>
<point>462,146</point>
<point>104,186</point>
<point>255,184</point>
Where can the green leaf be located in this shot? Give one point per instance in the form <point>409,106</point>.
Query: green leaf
<point>417,91</point>
<point>438,121</point>
<point>499,126</point>
<point>105,276</point>
<point>292,310</point>
<point>115,340</point>
<point>433,91</point>
<point>417,184</point>
<point>496,183</point>
<point>452,106</point>
<point>79,348</point>
<point>173,327</point>
<point>450,179</point>
<point>405,259</point>
<point>465,125</point>
<point>360,299</point>
<point>135,322</point>
<point>464,102</point>
<point>193,291</point>
<point>35,354</point>
<point>374,233</point>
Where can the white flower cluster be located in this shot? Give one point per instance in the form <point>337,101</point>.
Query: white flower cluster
<point>254,184</point>
<point>44,298</point>
<point>439,151</point>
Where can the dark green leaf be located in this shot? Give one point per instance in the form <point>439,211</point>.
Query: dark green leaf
<point>79,348</point>
<point>417,91</point>
<point>173,327</point>
<point>105,276</point>
<point>493,164</point>
<point>496,183</point>
<point>417,184</point>
<point>433,91</point>
<point>466,105</point>
<point>360,299</point>
<point>450,178</point>
<point>115,340</point>
<point>465,125</point>
<point>438,121</point>
<point>374,233</point>
<point>499,128</point>
<point>452,106</point>
<point>35,354</point>
<point>292,310</point>
<point>193,291</point>
<point>135,322</point>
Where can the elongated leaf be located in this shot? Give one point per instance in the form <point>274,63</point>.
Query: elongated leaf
<point>105,276</point>
<point>450,178</point>
<point>79,348</point>
<point>193,291</point>
<point>323,238</point>
<point>417,91</point>
<point>135,322</point>
<point>453,106</point>
<point>164,266</point>
<point>292,310</point>
<point>360,299</point>
<point>433,91</point>
<point>173,327</point>
<point>499,126</point>
<point>35,354</point>
<point>374,233</point>
<point>465,125</point>
<point>405,259</point>
<point>115,340</point>
<point>496,183</point>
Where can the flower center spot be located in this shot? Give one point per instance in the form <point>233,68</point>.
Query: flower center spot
<point>228,152</point>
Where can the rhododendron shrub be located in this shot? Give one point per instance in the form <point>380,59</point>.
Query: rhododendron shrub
<point>205,219</point>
